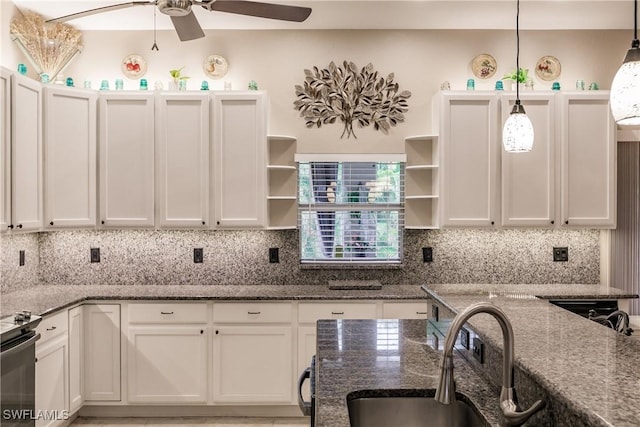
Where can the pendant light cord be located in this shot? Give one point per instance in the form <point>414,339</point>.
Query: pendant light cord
<point>518,50</point>
<point>636,42</point>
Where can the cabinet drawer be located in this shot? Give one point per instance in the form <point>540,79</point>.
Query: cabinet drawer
<point>52,326</point>
<point>405,310</point>
<point>168,313</point>
<point>252,312</point>
<point>312,312</point>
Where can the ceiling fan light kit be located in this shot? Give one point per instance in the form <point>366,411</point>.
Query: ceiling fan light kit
<point>185,22</point>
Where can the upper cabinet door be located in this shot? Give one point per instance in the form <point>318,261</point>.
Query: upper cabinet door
<point>588,160</point>
<point>182,135</point>
<point>528,184</point>
<point>468,128</point>
<point>5,149</point>
<point>240,139</point>
<point>126,140</point>
<point>26,153</point>
<point>70,157</point>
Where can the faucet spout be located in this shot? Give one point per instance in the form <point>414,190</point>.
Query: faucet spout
<point>445,393</point>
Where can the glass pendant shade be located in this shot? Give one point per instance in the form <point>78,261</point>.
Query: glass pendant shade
<point>625,90</point>
<point>517,134</point>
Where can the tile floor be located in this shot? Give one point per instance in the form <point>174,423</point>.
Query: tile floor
<point>191,422</point>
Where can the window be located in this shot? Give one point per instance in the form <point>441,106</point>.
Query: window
<point>351,210</point>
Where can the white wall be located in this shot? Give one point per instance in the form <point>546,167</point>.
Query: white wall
<point>420,59</point>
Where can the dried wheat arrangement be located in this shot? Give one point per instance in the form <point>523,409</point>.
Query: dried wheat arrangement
<point>49,46</point>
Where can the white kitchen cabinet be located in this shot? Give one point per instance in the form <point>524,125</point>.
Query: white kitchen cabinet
<point>26,154</point>
<point>126,157</point>
<point>422,184</point>
<point>52,367</point>
<point>168,353</point>
<point>101,323</point>
<point>588,172</point>
<point>239,175</point>
<point>468,128</point>
<point>167,364</point>
<point>76,359</point>
<point>282,196</point>
<point>182,144</point>
<point>405,310</point>
<point>253,353</point>
<point>69,157</point>
<point>5,149</point>
<point>528,179</point>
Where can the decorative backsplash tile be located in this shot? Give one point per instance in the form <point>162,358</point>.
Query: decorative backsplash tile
<point>242,257</point>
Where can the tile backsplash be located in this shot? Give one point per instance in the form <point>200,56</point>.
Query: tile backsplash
<point>242,257</point>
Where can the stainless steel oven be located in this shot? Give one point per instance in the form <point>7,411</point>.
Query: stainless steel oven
<point>17,363</point>
<point>308,408</point>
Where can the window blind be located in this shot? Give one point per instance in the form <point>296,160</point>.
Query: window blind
<point>351,211</point>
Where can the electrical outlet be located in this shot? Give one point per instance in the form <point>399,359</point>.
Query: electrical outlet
<point>464,338</point>
<point>21,257</point>
<point>427,254</point>
<point>274,255</point>
<point>478,349</point>
<point>561,254</point>
<point>95,254</point>
<point>198,255</point>
<point>435,313</point>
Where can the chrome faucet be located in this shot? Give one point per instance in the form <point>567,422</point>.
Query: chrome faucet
<point>445,393</point>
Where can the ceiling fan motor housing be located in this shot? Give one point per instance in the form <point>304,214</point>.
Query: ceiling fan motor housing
<point>174,7</point>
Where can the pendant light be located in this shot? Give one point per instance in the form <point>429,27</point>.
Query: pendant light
<point>625,88</point>
<point>517,134</point>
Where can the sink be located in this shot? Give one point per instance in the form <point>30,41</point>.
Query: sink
<point>410,408</point>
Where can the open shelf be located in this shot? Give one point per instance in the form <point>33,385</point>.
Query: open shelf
<point>282,182</point>
<point>422,182</point>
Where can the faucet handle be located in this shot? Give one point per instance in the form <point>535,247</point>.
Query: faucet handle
<point>513,416</point>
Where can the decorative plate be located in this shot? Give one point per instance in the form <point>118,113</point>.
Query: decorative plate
<point>134,66</point>
<point>548,68</point>
<point>484,66</point>
<point>215,66</point>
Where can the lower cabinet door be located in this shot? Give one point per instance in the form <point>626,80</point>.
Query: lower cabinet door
<point>168,364</point>
<point>76,359</point>
<point>253,364</point>
<point>52,403</point>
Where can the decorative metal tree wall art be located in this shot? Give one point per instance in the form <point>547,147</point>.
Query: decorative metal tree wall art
<point>350,95</point>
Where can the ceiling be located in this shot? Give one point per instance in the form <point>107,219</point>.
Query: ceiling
<point>367,14</point>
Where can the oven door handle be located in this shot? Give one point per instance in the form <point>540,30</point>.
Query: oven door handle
<point>20,347</point>
<point>305,407</point>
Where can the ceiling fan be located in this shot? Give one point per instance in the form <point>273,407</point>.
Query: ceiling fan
<point>186,23</point>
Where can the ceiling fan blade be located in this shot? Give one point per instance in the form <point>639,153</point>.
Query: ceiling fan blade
<point>102,9</point>
<point>187,27</point>
<point>261,10</point>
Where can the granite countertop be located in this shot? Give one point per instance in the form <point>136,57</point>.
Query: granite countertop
<point>47,299</point>
<point>354,355</point>
<point>590,369</point>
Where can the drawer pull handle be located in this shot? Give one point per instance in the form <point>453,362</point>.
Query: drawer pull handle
<point>166,312</point>
<point>53,328</point>
<point>253,312</point>
<point>421,312</point>
<point>337,312</point>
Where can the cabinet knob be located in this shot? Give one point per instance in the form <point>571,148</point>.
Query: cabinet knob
<point>553,222</point>
<point>102,222</point>
<point>566,222</point>
<point>492,222</point>
<point>19,225</point>
<point>204,223</point>
<point>201,331</point>
<point>10,226</point>
<point>217,332</point>
<point>217,222</point>
<point>51,223</point>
